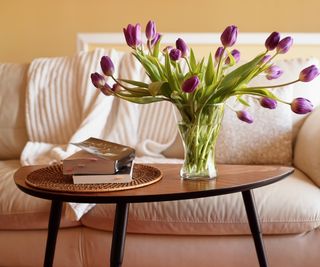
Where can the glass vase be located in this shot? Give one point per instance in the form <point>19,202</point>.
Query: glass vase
<point>199,132</point>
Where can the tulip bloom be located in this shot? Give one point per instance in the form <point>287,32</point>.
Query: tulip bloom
<point>272,41</point>
<point>284,45</point>
<point>265,59</point>
<point>182,46</point>
<point>267,102</point>
<point>273,72</point>
<point>133,35</point>
<point>107,66</point>
<point>219,53</point>
<point>151,30</point>
<point>309,73</point>
<point>245,116</point>
<point>190,84</point>
<point>167,49</point>
<point>301,105</point>
<point>156,39</point>
<point>97,80</point>
<point>236,55</point>
<point>175,54</point>
<point>229,36</point>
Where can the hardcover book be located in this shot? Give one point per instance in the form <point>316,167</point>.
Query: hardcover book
<point>100,160</point>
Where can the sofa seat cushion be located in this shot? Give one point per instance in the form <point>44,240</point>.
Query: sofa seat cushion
<point>286,207</point>
<point>19,210</point>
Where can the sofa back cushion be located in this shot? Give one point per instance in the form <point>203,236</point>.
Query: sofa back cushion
<point>13,133</point>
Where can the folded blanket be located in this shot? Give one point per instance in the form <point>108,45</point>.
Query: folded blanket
<point>62,106</point>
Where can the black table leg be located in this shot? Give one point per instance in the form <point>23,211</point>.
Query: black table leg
<point>53,227</point>
<point>119,234</point>
<point>254,223</point>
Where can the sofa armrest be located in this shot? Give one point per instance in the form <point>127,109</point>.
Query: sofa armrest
<point>307,147</point>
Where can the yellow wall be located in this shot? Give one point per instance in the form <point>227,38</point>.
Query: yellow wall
<point>37,28</point>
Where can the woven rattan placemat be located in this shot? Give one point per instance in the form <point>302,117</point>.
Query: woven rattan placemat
<point>51,178</point>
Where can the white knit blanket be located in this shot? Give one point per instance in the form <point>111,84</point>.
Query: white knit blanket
<point>62,106</point>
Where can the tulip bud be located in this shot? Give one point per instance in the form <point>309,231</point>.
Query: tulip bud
<point>106,90</point>
<point>219,53</point>
<point>265,59</point>
<point>97,80</point>
<point>229,36</point>
<point>273,72</point>
<point>267,102</point>
<point>133,35</point>
<point>245,116</point>
<point>284,45</point>
<point>156,39</point>
<point>182,46</point>
<point>190,84</point>
<point>301,105</point>
<point>175,54</point>
<point>309,73</point>
<point>167,49</point>
<point>151,30</point>
<point>272,41</point>
<point>236,55</point>
<point>116,88</point>
<point>107,66</point>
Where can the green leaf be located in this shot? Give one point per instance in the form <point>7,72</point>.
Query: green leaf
<point>135,83</point>
<point>255,91</point>
<point>236,77</point>
<point>138,91</point>
<point>151,70</point>
<point>209,75</point>
<point>199,67</point>
<point>193,62</point>
<point>170,76</point>
<point>140,100</point>
<point>231,58</point>
<point>243,102</point>
<point>166,90</point>
<point>154,87</point>
<point>156,48</point>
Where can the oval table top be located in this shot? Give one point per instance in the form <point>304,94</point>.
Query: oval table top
<point>230,179</point>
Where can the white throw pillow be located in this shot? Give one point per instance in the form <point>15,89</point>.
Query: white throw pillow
<point>266,141</point>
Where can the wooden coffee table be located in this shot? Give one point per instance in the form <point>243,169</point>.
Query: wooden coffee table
<point>231,179</point>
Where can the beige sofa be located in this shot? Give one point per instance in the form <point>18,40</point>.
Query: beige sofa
<point>201,232</point>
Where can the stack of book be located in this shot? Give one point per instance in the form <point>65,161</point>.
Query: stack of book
<point>100,161</point>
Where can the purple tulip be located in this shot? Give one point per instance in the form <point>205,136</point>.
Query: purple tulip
<point>98,80</point>
<point>107,66</point>
<point>245,116</point>
<point>267,102</point>
<point>309,73</point>
<point>236,55</point>
<point>106,90</point>
<point>284,45</point>
<point>273,72</point>
<point>156,39</point>
<point>265,59</point>
<point>182,46</point>
<point>272,41</point>
<point>116,88</point>
<point>175,54</point>
<point>133,35</point>
<point>167,49</point>
<point>190,84</point>
<point>151,30</point>
<point>229,36</point>
<point>301,105</point>
<point>219,53</point>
